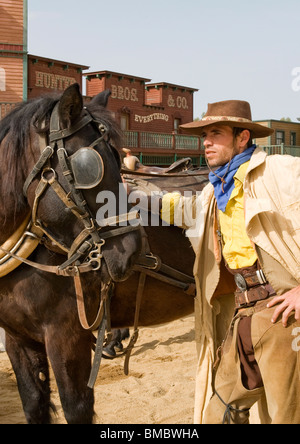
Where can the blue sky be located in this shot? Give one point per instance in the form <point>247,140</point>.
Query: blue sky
<point>228,49</point>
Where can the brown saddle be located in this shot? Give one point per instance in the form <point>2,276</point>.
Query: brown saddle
<point>178,166</point>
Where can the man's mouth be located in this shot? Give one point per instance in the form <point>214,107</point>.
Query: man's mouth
<point>209,153</point>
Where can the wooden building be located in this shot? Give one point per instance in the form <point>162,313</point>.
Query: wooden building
<point>24,76</point>
<point>142,106</point>
<point>13,53</point>
<point>149,115</point>
<point>284,140</point>
<point>51,76</point>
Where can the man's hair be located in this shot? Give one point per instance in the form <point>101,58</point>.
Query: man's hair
<point>238,131</point>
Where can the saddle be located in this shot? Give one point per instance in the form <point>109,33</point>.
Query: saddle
<point>176,167</point>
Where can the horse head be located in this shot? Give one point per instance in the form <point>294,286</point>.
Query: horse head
<point>71,157</point>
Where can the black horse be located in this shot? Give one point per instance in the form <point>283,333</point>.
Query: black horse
<point>56,155</point>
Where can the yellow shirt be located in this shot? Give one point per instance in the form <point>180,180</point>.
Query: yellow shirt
<point>237,249</point>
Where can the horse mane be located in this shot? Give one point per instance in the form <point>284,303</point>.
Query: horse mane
<point>15,137</point>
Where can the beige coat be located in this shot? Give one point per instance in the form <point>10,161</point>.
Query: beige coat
<point>272,216</point>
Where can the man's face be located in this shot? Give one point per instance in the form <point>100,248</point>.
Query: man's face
<point>220,146</point>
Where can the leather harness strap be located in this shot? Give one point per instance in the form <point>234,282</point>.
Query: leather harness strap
<point>135,335</point>
<point>81,308</point>
<point>150,265</point>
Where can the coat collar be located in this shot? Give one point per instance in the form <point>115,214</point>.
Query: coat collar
<point>257,159</point>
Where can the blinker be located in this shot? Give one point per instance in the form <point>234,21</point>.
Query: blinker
<point>87,167</point>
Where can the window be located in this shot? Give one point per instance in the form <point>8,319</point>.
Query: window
<point>125,122</point>
<point>2,80</point>
<point>293,139</point>
<point>280,137</point>
<point>177,123</point>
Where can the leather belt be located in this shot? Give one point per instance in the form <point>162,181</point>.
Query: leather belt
<point>252,286</point>
<point>246,281</point>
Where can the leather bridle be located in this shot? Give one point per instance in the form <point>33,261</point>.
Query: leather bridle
<point>85,253</point>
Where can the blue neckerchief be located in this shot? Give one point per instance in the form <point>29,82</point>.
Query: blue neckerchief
<point>223,189</point>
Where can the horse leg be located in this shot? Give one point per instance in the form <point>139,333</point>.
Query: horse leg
<point>29,362</point>
<point>125,334</point>
<point>108,351</point>
<point>118,335</point>
<point>70,357</point>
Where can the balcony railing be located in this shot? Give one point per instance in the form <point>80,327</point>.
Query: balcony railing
<point>146,140</point>
<point>282,149</point>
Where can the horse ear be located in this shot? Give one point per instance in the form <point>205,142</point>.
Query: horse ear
<point>70,105</point>
<point>101,99</point>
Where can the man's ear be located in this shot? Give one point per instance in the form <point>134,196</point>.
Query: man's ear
<point>244,137</point>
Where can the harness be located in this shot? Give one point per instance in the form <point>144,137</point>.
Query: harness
<point>82,170</point>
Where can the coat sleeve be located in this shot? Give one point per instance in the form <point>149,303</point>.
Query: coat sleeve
<point>182,211</point>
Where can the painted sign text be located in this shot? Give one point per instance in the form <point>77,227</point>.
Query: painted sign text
<point>53,81</point>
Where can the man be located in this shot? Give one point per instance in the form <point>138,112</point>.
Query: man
<point>131,162</point>
<point>247,233</point>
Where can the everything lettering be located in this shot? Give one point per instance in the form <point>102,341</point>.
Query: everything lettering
<point>148,119</point>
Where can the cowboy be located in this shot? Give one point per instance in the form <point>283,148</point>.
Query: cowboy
<point>131,162</point>
<point>247,244</point>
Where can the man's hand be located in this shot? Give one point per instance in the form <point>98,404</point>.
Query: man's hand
<point>289,302</point>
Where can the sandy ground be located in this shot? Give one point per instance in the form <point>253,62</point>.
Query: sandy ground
<point>158,390</point>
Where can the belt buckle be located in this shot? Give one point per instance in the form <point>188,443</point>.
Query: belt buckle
<point>261,277</point>
<point>240,282</point>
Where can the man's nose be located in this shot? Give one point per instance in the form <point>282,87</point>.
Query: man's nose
<point>207,142</point>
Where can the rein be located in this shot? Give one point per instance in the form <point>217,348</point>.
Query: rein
<point>151,265</point>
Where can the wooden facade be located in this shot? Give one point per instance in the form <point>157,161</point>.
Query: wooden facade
<point>51,76</point>
<point>142,106</point>
<point>150,114</point>
<point>287,133</point>
<point>13,53</point>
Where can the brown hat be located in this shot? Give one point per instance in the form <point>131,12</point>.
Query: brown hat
<point>234,113</point>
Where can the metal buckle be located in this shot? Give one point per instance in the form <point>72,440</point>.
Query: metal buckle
<point>261,277</point>
<point>156,262</point>
<point>95,256</point>
<point>240,282</point>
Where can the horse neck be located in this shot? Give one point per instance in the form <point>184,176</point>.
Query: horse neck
<point>10,220</point>
<point>13,207</point>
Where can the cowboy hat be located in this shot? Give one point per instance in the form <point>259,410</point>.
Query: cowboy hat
<point>234,113</point>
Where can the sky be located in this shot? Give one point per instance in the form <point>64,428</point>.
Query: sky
<point>228,49</point>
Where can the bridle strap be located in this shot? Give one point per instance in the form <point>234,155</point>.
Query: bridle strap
<point>71,271</point>
<point>58,134</point>
<point>45,156</point>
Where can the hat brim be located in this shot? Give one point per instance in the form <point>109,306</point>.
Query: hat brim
<point>197,127</point>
